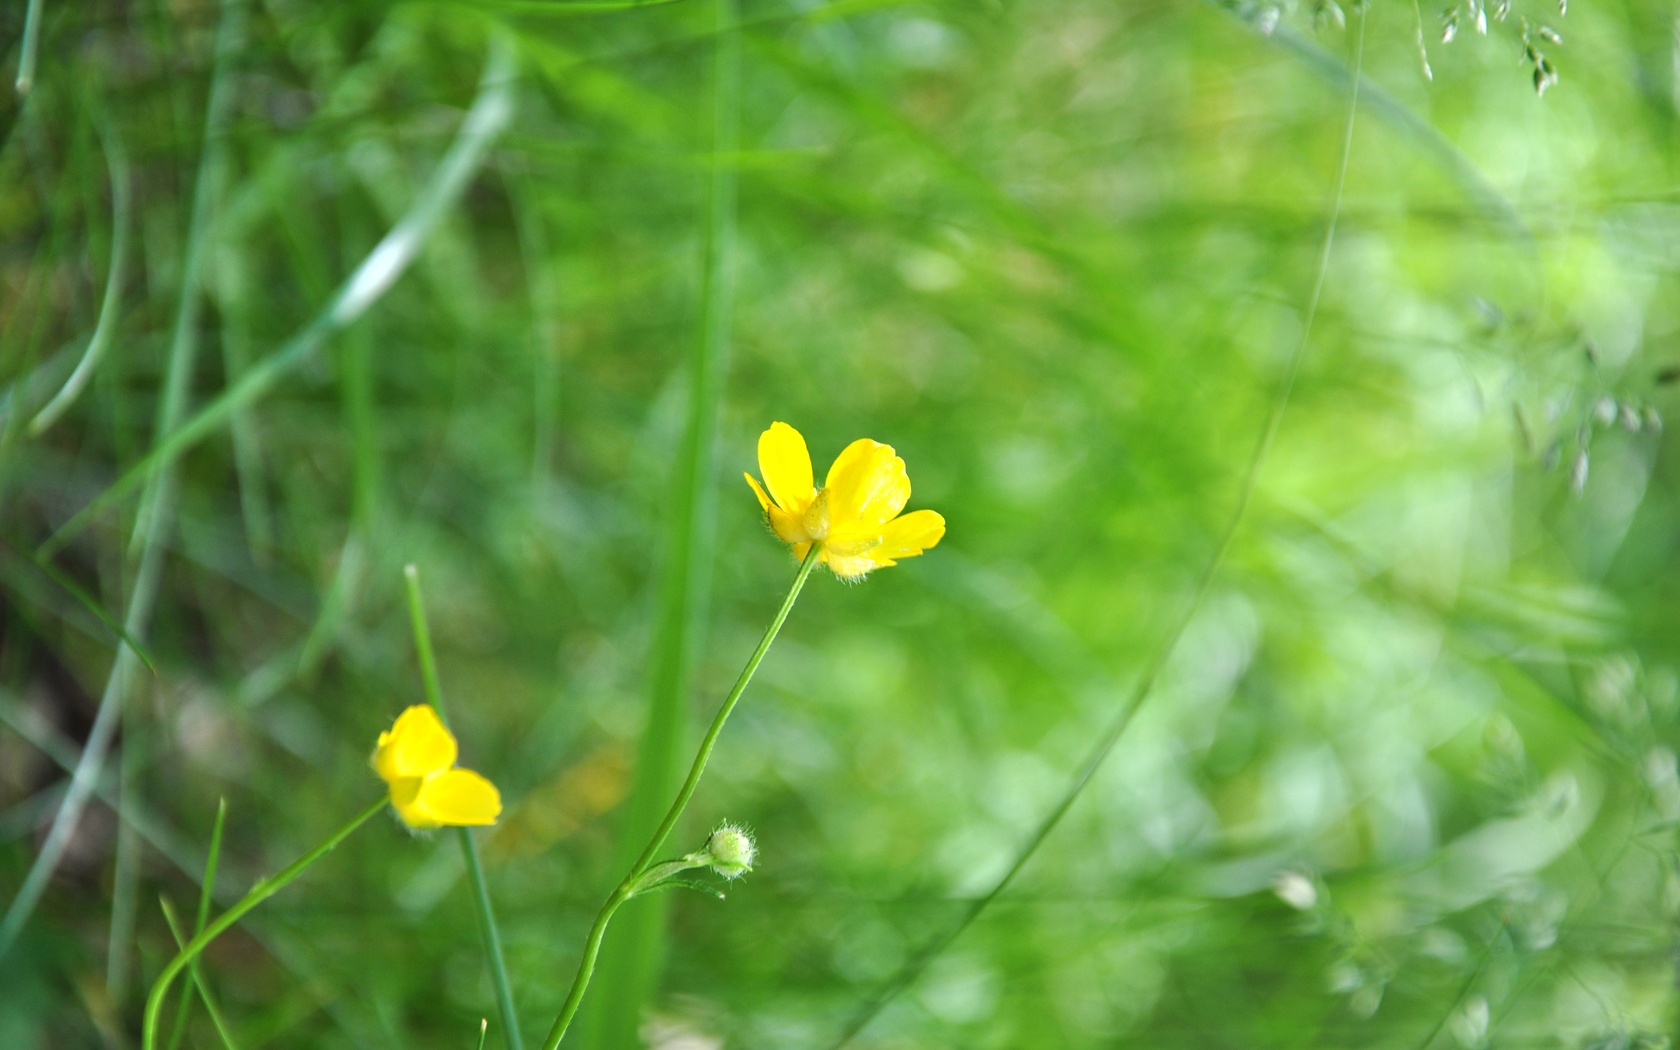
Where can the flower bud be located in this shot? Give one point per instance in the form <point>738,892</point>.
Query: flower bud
<point>731,851</point>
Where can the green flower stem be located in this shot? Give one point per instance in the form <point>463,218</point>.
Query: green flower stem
<point>492,941</point>
<point>423,641</point>
<point>487,927</point>
<point>630,884</point>
<point>263,890</point>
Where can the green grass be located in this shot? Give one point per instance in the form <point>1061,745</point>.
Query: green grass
<point>631,962</point>
<point>1365,738</point>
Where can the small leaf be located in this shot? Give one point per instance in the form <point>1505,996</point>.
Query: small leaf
<point>687,884</point>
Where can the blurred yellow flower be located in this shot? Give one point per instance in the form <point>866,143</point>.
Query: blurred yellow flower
<point>854,515</point>
<point>417,758</point>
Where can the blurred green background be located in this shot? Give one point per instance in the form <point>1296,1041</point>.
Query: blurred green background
<point>1406,779</point>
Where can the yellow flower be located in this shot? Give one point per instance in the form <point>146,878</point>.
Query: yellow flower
<point>854,515</point>
<point>416,758</point>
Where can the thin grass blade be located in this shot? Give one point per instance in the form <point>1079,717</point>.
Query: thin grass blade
<point>122,218</point>
<point>490,113</point>
<point>158,504</point>
<point>197,980</point>
<point>631,963</point>
<point>206,893</point>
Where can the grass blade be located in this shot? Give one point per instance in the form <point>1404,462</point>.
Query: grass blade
<point>125,876</point>
<point>490,113</point>
<point>157,507</point>
<point>82,597</point>
<point>262,891</point>
<point>197,980</point>
<point>540,284</point>
<point>630,965</point>
<point>206,890</point>
<point>121,219</point>
<point>172,847</point>
<point>31,47</point>
<point>233,281</point>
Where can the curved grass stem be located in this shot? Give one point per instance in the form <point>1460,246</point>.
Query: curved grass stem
<point>490,113</point>
<point>627,887</point>
<point>122,219</point>
<point>263,890</point>
<point>149,540</point>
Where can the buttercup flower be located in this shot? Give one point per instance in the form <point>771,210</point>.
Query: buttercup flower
<point>855,515</point>
<point>417,758</point>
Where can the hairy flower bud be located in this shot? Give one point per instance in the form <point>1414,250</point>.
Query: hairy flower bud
<point>731,851</point>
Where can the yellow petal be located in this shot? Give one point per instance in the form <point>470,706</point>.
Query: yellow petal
<point>847,566</point>
<point>850,459</point>
<point>789,526</point>
<point>908,536</point>
<point>404,790</point>
<point>758,490</point>
<point>786,465</point>
<point>417,746</point>
<point>455,798</point>
<point>866,487</point>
